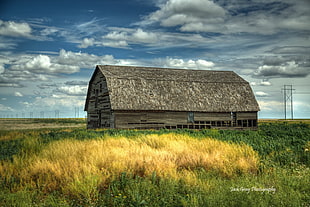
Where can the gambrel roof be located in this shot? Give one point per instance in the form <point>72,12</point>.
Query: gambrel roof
<point>148,88</point>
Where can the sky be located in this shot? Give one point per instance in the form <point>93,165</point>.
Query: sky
<point>49,49</point>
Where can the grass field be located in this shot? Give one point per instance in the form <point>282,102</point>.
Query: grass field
<point>38,123</point>
<point>72,166</point>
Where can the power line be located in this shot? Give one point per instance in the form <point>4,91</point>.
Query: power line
<point>288,99</point>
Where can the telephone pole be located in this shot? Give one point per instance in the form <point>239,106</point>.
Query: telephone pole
<point>288,99</point>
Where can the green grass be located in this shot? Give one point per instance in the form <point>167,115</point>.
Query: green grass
<point>282,178</point>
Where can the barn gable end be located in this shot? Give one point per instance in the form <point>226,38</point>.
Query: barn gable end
<point>141,97</point>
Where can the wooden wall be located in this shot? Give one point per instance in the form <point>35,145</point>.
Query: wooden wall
<point>99,114</point>
<point>174,120</point>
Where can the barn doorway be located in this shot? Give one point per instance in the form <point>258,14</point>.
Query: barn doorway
<point>234,118</point>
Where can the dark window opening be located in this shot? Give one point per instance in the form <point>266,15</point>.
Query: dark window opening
<point>190,118</point>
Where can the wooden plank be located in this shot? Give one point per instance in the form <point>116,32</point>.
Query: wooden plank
<point>246,115</point>
<point>201,116</point>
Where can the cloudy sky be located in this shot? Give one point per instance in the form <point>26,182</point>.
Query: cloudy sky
<point>49,49</point>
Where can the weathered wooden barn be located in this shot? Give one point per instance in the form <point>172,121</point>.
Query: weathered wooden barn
<point>129,97</point>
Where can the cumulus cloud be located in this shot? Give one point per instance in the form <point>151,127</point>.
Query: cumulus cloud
<point>261,94</point>
<point>193,15</point>
<point>73,90</point>
<point>262,83</point>
<point>18,94</point>
<point>122,39</point>
<point>87,42</point>
<point>265,83</point>
<point>83,60</point>
<point>14,29</point>
<point>144,37</point>
<point>42,64</point>
<point>189,64</point>
<point>115,43</point>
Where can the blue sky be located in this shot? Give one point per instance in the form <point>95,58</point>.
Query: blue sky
<point>49,49</point>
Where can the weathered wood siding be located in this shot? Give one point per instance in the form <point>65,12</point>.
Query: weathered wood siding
<point>148,119</point>
<point>246,115</point>
<point>99,114</point>
<point>174,120</point>
<point>202,116</point>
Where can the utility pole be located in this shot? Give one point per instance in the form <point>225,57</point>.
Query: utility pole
<point>288,99</point>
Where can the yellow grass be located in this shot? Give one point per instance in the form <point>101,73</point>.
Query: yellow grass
<point>71,164</point>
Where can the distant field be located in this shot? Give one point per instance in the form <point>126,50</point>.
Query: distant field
<point>36,123</point>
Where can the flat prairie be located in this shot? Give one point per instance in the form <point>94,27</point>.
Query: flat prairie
<point>40,123</point>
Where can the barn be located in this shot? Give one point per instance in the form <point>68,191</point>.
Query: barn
<point>127,97</point>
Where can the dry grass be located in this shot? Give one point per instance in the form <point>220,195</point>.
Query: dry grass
<point>71,165</point>
<point>27,123</point>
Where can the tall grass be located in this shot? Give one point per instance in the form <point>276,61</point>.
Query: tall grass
<point>67,165</point>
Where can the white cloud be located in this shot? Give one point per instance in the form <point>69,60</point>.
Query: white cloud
<point>14,29</point>
<point>42,64</point>
<point>83,60</point>
<point>265,83</point>
<point>144,37</point>
<point>189,64</point>
<point>18,94</point>
<point>76,90</point>
<point>193,15</point>
<point>122,39</point>
<point>262,83</point>
<point>261,94</point>
<point>87,42</point>
<point>116,44</point>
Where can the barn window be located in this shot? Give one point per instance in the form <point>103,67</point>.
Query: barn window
<point>190,117</point>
